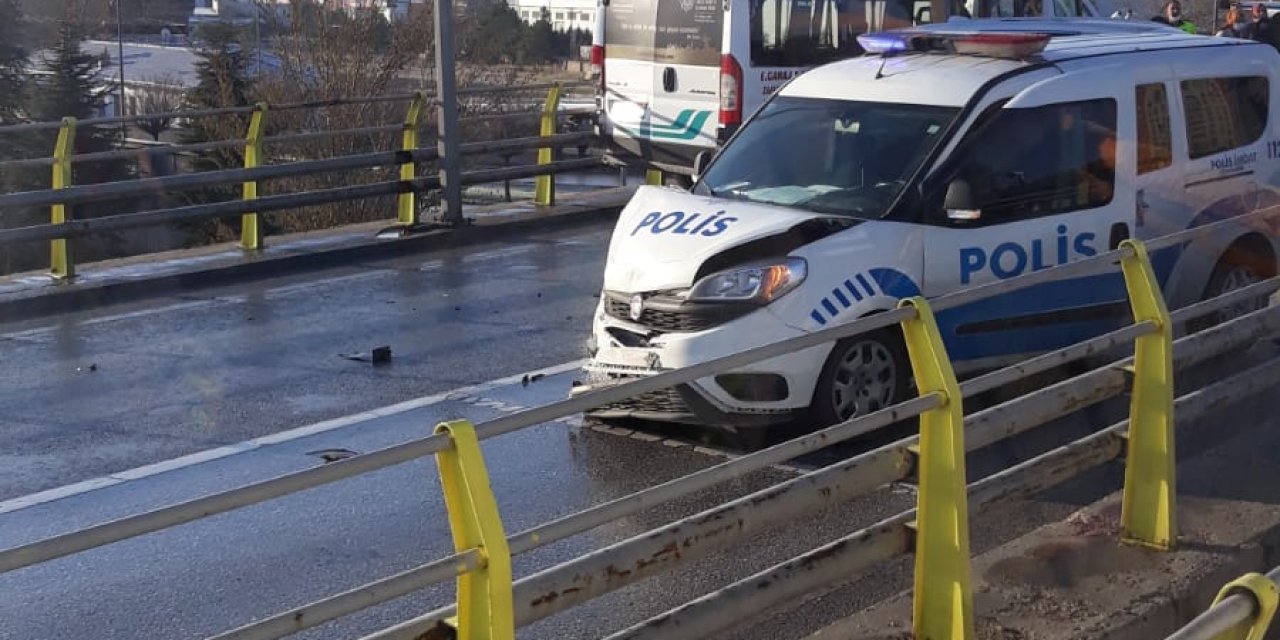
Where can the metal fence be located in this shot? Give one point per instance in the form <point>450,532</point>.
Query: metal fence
<point>547,119</point>
<point>491,604</point>
<point>1243,610</point>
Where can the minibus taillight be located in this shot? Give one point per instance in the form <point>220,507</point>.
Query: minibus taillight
<point>730,90</point>
<point>597,64</point>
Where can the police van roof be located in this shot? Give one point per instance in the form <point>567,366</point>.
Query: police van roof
<point>952,78</point>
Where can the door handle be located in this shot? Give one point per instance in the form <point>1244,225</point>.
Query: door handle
<point>669,79</point>
<point>1119,233</point>
<point>1140,210</point>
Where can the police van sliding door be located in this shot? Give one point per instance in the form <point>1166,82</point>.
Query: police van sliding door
<point>1043,192</point>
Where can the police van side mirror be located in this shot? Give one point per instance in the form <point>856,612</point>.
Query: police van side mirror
<point>959,202</point>
<point>700,163</point>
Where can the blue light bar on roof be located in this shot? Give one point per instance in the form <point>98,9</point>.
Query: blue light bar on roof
<point>991,44</point>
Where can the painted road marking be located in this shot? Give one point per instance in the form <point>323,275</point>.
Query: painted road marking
<point>464,394</point>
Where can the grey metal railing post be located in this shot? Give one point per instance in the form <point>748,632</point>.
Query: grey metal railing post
<point>447,93</point>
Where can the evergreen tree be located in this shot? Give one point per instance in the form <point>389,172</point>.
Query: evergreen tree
<point>74,85</point>
<point>221,81</point>
<point>13,62</point>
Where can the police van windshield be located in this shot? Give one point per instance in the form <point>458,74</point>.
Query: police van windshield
<point>830,156</point>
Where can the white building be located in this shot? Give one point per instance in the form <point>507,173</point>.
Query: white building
<point>565,15</point>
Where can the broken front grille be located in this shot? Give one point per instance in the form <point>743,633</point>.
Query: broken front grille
<point>672,315</point>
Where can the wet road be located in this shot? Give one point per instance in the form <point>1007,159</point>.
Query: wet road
<point>250,373</point>
<point>95,393</point>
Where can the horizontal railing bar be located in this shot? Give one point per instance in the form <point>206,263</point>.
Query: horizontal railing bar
<point>54,124</point>
<point>863,549</point>
<point>1235,296</point>
<point>90,226</point>
<point>313,135</point>
<point>362,597</point>
<point>121,154</point>
<point>132,526</point>
<point>1194,233</point>
<point>143,186</point>
<point>1045,362</point>
<point>484,176</point>
<point>1225,616</point>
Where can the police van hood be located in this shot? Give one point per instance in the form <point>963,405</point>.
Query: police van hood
<point>663,236</point>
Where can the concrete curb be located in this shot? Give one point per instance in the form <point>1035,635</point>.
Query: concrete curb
<point>222,264</point>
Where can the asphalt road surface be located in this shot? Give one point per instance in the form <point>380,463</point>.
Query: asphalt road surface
<point>249,383</point>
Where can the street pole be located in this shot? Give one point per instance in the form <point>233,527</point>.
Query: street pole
<point>447,120</point>
<point>123,109</point>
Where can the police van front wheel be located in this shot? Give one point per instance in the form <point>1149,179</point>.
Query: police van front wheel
<point>863,374</point>
<point>1246,262</point>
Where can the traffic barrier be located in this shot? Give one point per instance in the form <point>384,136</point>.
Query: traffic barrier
<point>1243,610</point>
<point>63,195</point>
<point>936,456</point>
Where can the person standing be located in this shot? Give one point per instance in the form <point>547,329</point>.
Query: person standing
<point>1259,27</point>
<point>1173,15</point>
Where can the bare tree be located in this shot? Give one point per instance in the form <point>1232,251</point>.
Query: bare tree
<point>158,95</point>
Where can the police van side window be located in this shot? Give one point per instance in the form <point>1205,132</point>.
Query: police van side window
<point>1155,136</point>
<point>1224,113</point>
<point>1042,161</point>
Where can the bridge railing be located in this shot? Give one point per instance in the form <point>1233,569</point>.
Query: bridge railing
<point>545,117</point>
<point>1243,610</point>
<point>491,604</point>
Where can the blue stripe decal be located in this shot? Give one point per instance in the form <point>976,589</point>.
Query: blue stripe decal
<point>818,316</point>
<point>866,285</point>
<point>840,296</point>
<point>831,308</point>
<point>853,290</point>
<point>894,283</point>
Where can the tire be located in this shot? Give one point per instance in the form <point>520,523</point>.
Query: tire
<point>1243,264</point>
<point>862,375</point>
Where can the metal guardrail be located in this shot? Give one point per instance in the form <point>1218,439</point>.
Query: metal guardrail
<point>1243,610</point>
<point>492,605</point>
<point>63,195</point>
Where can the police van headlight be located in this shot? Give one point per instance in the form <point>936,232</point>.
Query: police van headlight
<point>759,282</point>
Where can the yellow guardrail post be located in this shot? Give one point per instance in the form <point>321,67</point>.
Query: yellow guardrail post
<point>405,211</point>
<point>653,177</point>
<point>1264,592</point>
<point>250,224</point>
<point>484,596</point>
<point>1147,517</point>
<point>943,597</point>
<point>544,189</point>
<point>61,264</point>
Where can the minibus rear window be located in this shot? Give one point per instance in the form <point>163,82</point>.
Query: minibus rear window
<point>803,33</point>
<point>686,32</point>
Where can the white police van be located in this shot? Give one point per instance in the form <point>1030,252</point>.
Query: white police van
<point>677,77</point>
<point>940,160</point>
